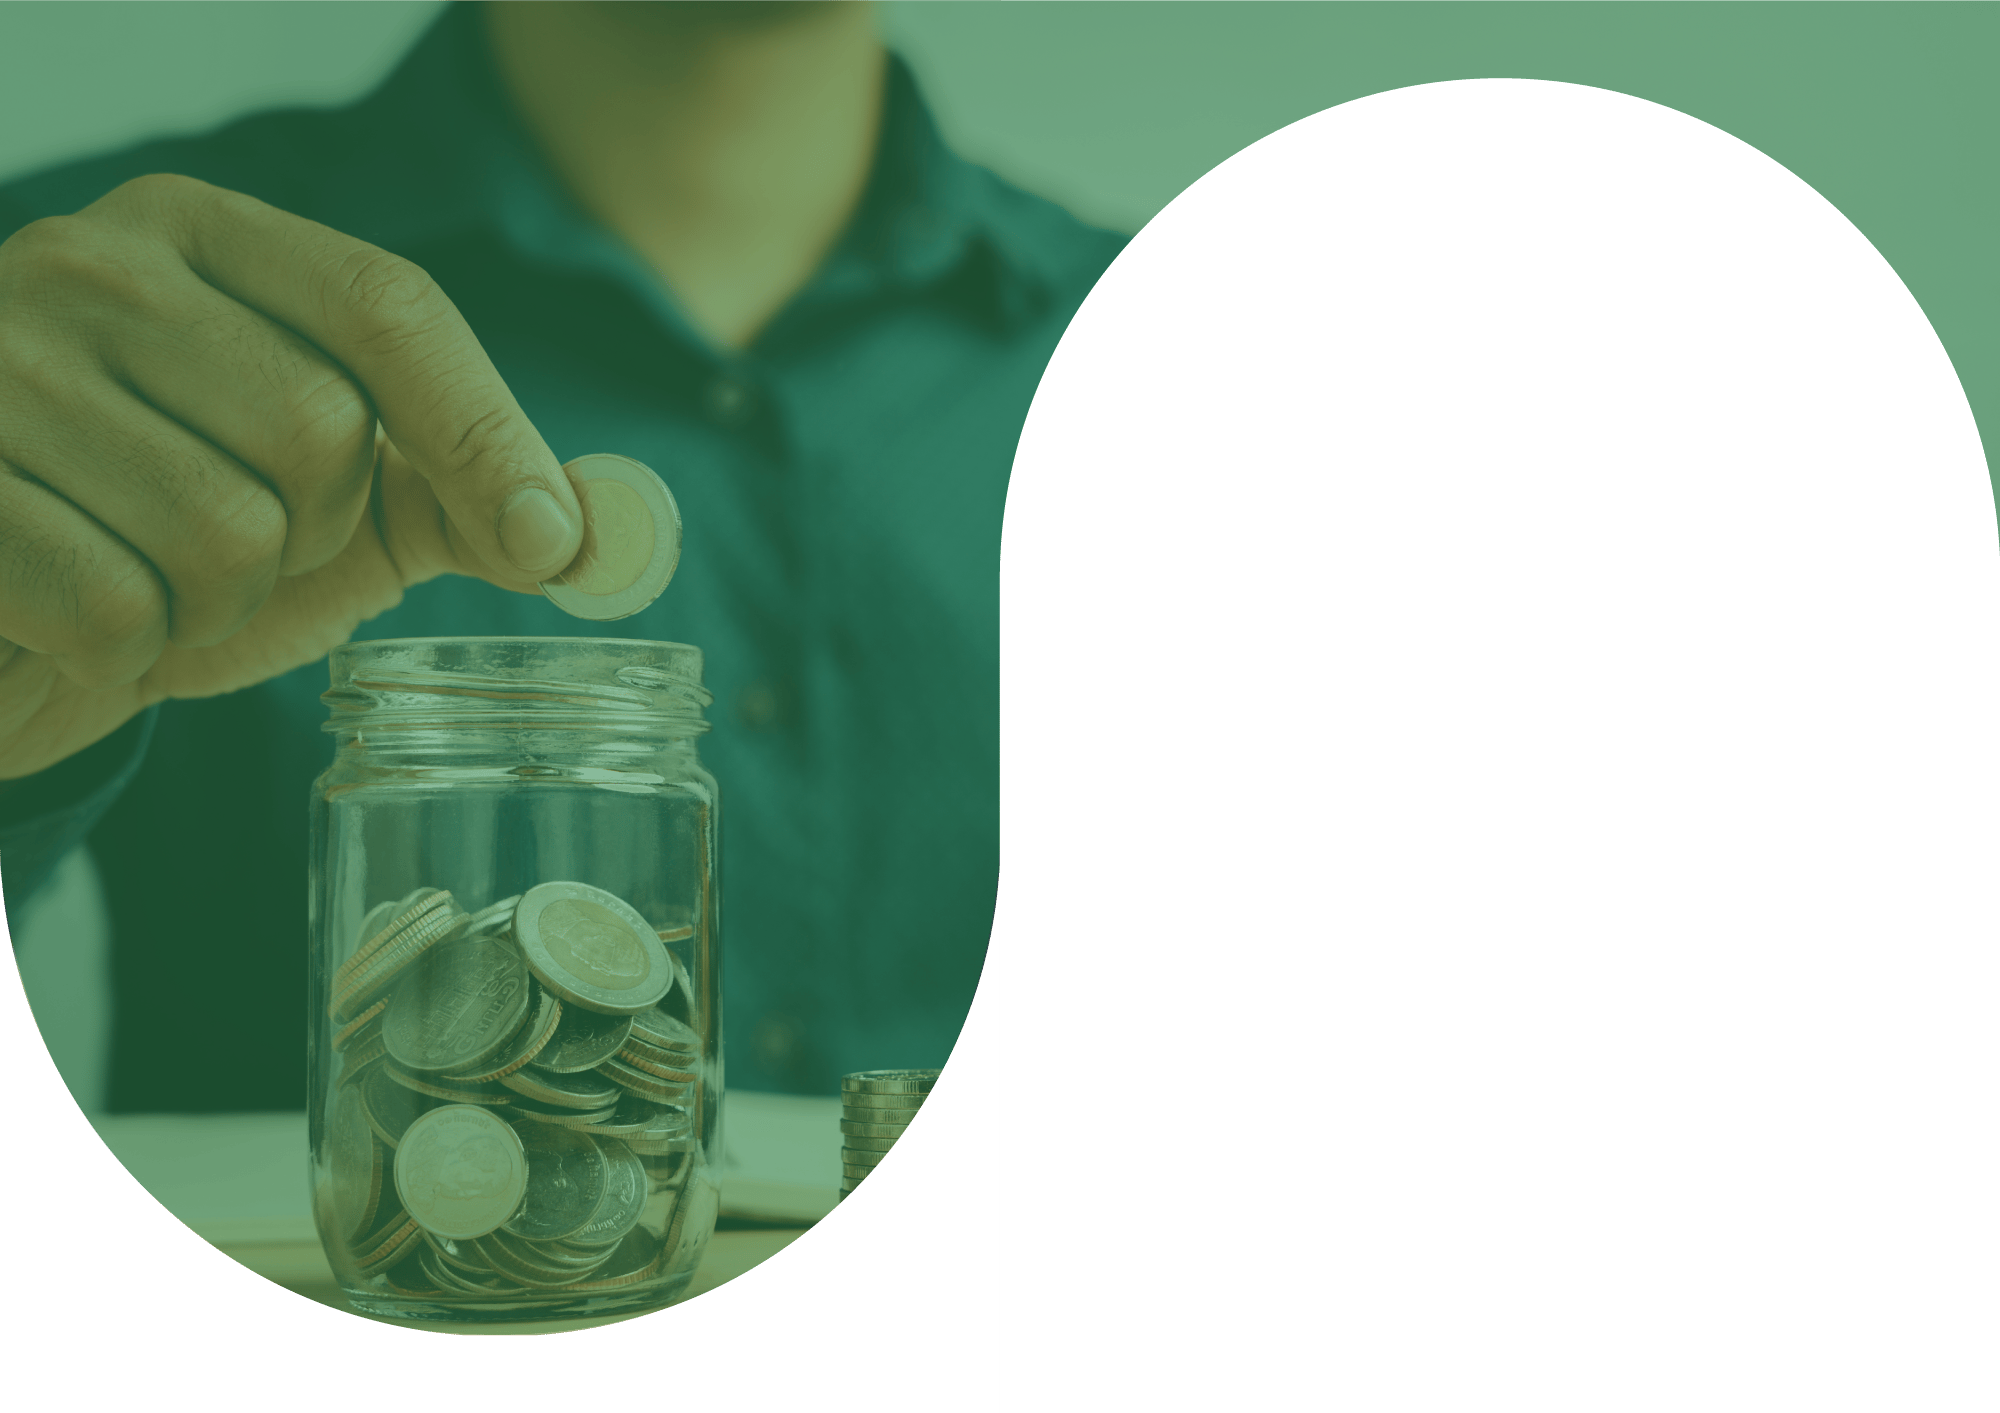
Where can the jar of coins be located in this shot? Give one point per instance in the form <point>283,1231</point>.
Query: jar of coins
<point>514,1029</point>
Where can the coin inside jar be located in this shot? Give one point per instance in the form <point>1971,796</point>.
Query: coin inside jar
<point>583,1041</point>
<point>354,1163</point>
<point>461,1172</point>
<point>566,1179</point>
<point>631,540</point>
<point>592,948</point>
<point>459,1005</point>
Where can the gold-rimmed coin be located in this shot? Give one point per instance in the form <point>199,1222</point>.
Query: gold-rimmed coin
<point>460,1171</point>
<point>545,1013</point>
<point>353,1028</point>
<point>512,1259</point>
<point>354,1164</point>
<point>362,1054</point>
<point>665,1033</point>
<point>460,1255</point>
<point>588,1090</point>
<point>385,1246</point>
<point>861,1129</point>
<point>592,948</point>
<point>451,1091</point>
<point>631,539</point>
<point>566,1178</point>
<point>526,1108</point>
<point>634,1261</point>
<point>644,1085</point>
<point>673,1072</point>
<point>856,1171</point>
<point>493,920</point>
<point>641,1118</point>
<point>664,1147</point>
<point>584,1040</point>
<point>383,922</point>
<point>860,1157</point>
<point>436,927</point>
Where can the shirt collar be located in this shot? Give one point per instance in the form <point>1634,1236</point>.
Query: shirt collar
<point>439,155</point>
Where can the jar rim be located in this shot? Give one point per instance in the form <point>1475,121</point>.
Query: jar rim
<point>635,681</point>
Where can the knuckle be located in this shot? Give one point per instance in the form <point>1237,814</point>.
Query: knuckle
<point>332,426</point>
<point>49,262</point>
<point>381,293</point>
<point>239,547</point>
<point>482,438</point>
<point>117,610</point>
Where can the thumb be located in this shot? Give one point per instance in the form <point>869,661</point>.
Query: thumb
<point>422,540</point>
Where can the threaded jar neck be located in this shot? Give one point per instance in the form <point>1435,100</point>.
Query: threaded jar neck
<point>617,686</point>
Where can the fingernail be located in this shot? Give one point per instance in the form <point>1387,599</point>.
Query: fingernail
<point>534,531</point>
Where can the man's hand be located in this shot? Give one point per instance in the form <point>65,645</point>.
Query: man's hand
<point>190,383</point>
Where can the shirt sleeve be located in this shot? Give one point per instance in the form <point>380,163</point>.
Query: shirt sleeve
<point>45,815</point>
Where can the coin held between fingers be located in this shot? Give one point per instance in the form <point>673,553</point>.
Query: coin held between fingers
<point>534,531</point>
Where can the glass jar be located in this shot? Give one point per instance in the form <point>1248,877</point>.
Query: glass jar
<point>514,1024</point>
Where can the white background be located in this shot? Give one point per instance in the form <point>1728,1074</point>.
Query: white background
<point>1499,622</point>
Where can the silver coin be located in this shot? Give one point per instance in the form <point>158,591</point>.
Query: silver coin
<point>662,1032</point>
<point>459,1006</point>
<point>460,1171</point>
<point>863,1129</point>
<point>449,1090</point>
<point>515,1259</point>
<point>675,1071</point>
<point>589,1090</point>
<point>861,1157</point>
<point>562,1118</point>
<point>354,1163</point>
<point>634,1261</point>
<point>889,1082</point>
<point>644,1085</point>
<point>494,920</point>
<point>566,1179</point>
<point>583,1041</point>
<point>460,1255</point>
<point>856,1142</point>
<point>641,1118</point>
<point>391,1107</point>
<point>911,1102</point>
<point>624,1201</point>
<point>544,1016</point>
<point>434,918</point>
<point>631,540</point>
<point>664,1147</point>
<point>856,1171</point>
<point>592,948</point>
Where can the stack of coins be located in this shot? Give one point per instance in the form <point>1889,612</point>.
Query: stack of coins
<point>875,1107</point>
<point>515,1089</point>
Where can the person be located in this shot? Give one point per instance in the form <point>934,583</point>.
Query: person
<point>724,240</point>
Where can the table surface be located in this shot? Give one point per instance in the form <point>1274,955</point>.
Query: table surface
<point>301,1267</point>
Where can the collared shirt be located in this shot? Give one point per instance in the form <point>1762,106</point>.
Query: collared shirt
<point>842,483</point>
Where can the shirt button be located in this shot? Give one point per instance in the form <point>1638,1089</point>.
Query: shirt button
<point>757,705</point>
<point>729,401</point>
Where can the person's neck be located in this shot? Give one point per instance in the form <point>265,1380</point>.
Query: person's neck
<point>727,144</point>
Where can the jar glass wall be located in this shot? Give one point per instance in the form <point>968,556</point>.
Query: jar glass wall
<point>514,1023</point>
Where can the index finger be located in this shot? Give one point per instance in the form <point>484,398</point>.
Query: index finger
<point>438,395</point>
